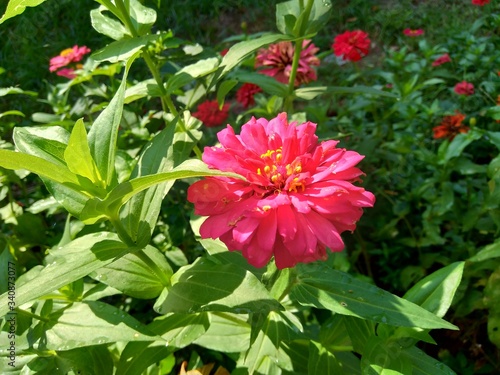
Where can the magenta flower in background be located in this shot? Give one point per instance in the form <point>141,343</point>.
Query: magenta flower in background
<point>480,2</point>
<point>351,45</point>
<point>441,60</point>
<point>413,33</point>
<point>69,56</point>
<point>464,88</point>
<point>298,196</point>
<point>277,61</point>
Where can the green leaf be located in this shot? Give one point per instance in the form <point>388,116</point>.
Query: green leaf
<point>138,356</point>
<point>290,20</point>
<point>458,144</point>
<point>77,155</point>
<point>140,213</point>
<point>425,365</point>
<point>360,331</point>
<point>333,333</point>
<point>180,330</point>
<point>106,25</point>
<point>241,50</point>
<point>227,333</point>
<point>124,49</point>
<point>16,90</point>
<point>92,323</point>
<point>322,287</point>
<point>103,134</point>
<point>384,358</point>
<point>97,209</point>
<point>321,360</point>
<point>266,83</point>
<point>188,74</point>
<point>142,16</point>
<point>15,7</point>
<point>134,277</point>
<point>231,289</point>
<point>67,264</point>
<point>436,291</point>
<point>47,142</point>
<point>487,252</point>
<point>309,93</point>
<point>224,88</point>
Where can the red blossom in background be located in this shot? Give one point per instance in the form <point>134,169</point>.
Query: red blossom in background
<point>464,88</point>
<point>351,45</point>
<point>450,127</point>
<point>413,33</point>
<point>297,198</point>
<point>67,57</point>
<point>277,59</point>
<point>480,2</point>
<point>246,93</point>
<point>209,113</point>
<point>441,60</point>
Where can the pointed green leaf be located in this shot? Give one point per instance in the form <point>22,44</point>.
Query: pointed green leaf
<point>103,134</point>
<point>77,155</point>
<point>188,74</point>
<point>487,252</point>
<point>15,7</point>
<point>266,83</point>
<point>322,287</point>
<point>67,264</point>
<point>106,25</point>
<point>309,93</point>
<point>321,360</point>
<point>436,291</point>
<point>180,330</point>
<point>138,356</point>
<point>385,358</point>
<point>425,365</point>
<point>224,88</point>
<point>47,142</point>
<point>124,49</point>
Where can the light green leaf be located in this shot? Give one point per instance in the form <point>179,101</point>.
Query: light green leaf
<point>231,289</point>
<point>15,7</point>
<point>134,277</point>
<point>309,93</point>
<point>188,74</point>
<point>16,90</point>
<point>141,90</point>
<point>103,134</point>
<point>321,361</point>
<point>92,323</point>
<point>425,365</point>
<point>67,264</point>
<point>142,16</point>
<point>487,252</point>
<point>241,50</point>
<point>106,25</point>
<point>47,142</point>
<point>77,155</point>
<point>138,356</point>
<point>266,83</point>
<point>436,291</point>
<point>290,20</point>
<point>180,330</point>
<point>224,88</point>
<point>322,287</point>
<point>124,49</point>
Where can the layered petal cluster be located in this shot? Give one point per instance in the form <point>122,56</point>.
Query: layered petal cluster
<point>351,45</point>
<point>209,113</point>
<point>298,196</point>
<point>443,59</point>
<point>464,88</point>
<point>245,94</point>
<point>277,61</point>
<point>451,126</point>
<point>64,63</point>
<point>413,32</point>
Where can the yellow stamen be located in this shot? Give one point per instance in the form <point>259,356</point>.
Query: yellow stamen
<point>296,184</point>
<point>266,208</point>
<point>66,52</point>
<point>267,168</point>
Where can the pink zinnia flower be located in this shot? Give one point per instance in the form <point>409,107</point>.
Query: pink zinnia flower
<point>67,57</point>
<point>351,45</point>
<point>441,60</point>
<point>67,73</point>
<point>413,33</point>
<point>277,59</point>
<point>480,2</point>
<point>210,114</point>
<point>246,93</point>
<point>297,198</point>
<point>464,88</point>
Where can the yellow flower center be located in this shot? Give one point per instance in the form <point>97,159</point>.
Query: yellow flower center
<point>279,174</point>
<point>66,52</point>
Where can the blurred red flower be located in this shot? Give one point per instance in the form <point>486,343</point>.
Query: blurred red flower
<point>246,93</point>
<point>441,60</point>
<point>277,59</point>
<point>480,2</point>
<point>351,45</point>
<point>413,33</point>
<point>464,88</point>
<point>450,126</point>
<point>209,113</point>
<point>67,57</point>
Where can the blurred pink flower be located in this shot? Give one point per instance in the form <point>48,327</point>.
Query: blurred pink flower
<point>66,72</point>
<point>480,2</point>
<point>351,45</point>
<point>413,33</point>
<point>67,57</point>
<point>464,88</point>
<point>277,59</point>
<point>441,60</point>
<point>246,93</point>
<point>209,113</point>
<point>298,196</point>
